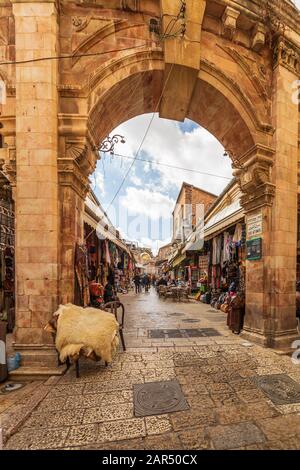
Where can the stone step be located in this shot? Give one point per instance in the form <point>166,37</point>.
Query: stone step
<point>36,373</point>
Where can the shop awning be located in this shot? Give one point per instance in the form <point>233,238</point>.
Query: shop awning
<point>178,260</point>
<point>195,242</point>
<point>224,219</point>
<point>100,229</point>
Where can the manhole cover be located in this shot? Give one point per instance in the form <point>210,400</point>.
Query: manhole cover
<point>175,314</point>
<point>280,388</point>
<point>183,333</point>
<point>11,387</point>
<point>158,398</point>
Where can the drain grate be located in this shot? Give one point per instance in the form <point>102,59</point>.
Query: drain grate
<point>183,333</point>
<point>156,398</point>
<point>279,388</point>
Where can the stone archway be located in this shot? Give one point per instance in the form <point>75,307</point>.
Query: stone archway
<point>221,71</point>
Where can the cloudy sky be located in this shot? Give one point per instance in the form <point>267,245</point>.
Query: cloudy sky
<point>143,208</point>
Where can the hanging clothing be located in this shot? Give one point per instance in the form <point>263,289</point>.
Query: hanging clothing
<point>237,237</point>
<point>226,247</point>
<point>81,270</point>
<point>107,253</point>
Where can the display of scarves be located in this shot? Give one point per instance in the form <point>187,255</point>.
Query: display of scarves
<point>217,248</point>
<point>237,237</point>
<point>81,270</point>
<point>214,251</point>
<point>107,253</point>
<point>226,247</point>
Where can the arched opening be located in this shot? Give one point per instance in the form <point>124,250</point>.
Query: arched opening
<point>123,94</point>
<point>136,87</point>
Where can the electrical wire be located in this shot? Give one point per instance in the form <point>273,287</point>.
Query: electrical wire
<point>171,166</point>
<point>75,56</point>
<point>143,140</point>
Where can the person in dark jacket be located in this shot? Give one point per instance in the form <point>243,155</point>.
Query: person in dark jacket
<point>137,283</point>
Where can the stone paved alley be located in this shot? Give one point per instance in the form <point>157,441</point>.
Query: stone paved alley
<point>219,377</point>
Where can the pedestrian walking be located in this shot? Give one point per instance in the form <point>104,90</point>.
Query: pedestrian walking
<point>137,283</point>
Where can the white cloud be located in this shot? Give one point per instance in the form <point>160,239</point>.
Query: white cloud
<point>99,180</point>
<point>136,180</point>
<point>151,204</point>
<point>166,143</point>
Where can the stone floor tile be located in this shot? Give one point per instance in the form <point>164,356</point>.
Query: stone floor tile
<point>285,444</point>
<point>83,434</point>
<point>200,401</point>
<point>169,441</point>
<point>221,399</point>
<point>108,413</point>
<point>50,404</point>
<point>232,414</point>
<point>121,430</point>
<point>129,444</point>
<point>158,424</point>
<point>251,395</point>
<point>219,388</point>
<point>235,436</point>
<point>55,419</point>
<point>65,390</point>
<point>194,439</point>
<point>287,409</point>
<point>192,418</point>
<point>287,426</point>
<point>34,439</point>
<point>100,387</point>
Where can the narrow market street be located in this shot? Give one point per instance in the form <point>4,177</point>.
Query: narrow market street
<point>232,397</point>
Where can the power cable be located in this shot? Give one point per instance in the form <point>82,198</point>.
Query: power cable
<point>91,54</point>
<point>143,139</point>
<point>172,166</point>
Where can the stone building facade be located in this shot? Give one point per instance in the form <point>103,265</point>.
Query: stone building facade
<point>191,204</point>
<point>230,66</point>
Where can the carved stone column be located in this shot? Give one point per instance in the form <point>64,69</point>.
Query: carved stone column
<point>36,190</point>
<point>269,184</point>
<point>77,160</point>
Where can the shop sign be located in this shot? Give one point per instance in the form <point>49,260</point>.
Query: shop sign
<point>255,225</point>
<point>254,249</point>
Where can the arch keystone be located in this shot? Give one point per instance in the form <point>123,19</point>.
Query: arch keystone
<point>182,54</point>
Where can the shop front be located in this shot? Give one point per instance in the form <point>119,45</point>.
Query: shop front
<point>109,260</point>
<point>7,256</point>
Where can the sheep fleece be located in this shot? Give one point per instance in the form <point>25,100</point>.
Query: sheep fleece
<point>86,329</point>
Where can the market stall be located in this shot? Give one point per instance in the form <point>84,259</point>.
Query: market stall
<point>7,257</point>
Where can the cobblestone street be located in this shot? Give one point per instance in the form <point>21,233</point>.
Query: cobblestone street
<point>220,376</point>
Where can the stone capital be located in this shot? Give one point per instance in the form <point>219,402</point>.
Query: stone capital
<point>76,161</point>
<point>254,177</point>
<point>287,55</point>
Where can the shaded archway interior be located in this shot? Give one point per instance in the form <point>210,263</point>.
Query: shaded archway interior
<point>140,93</point>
